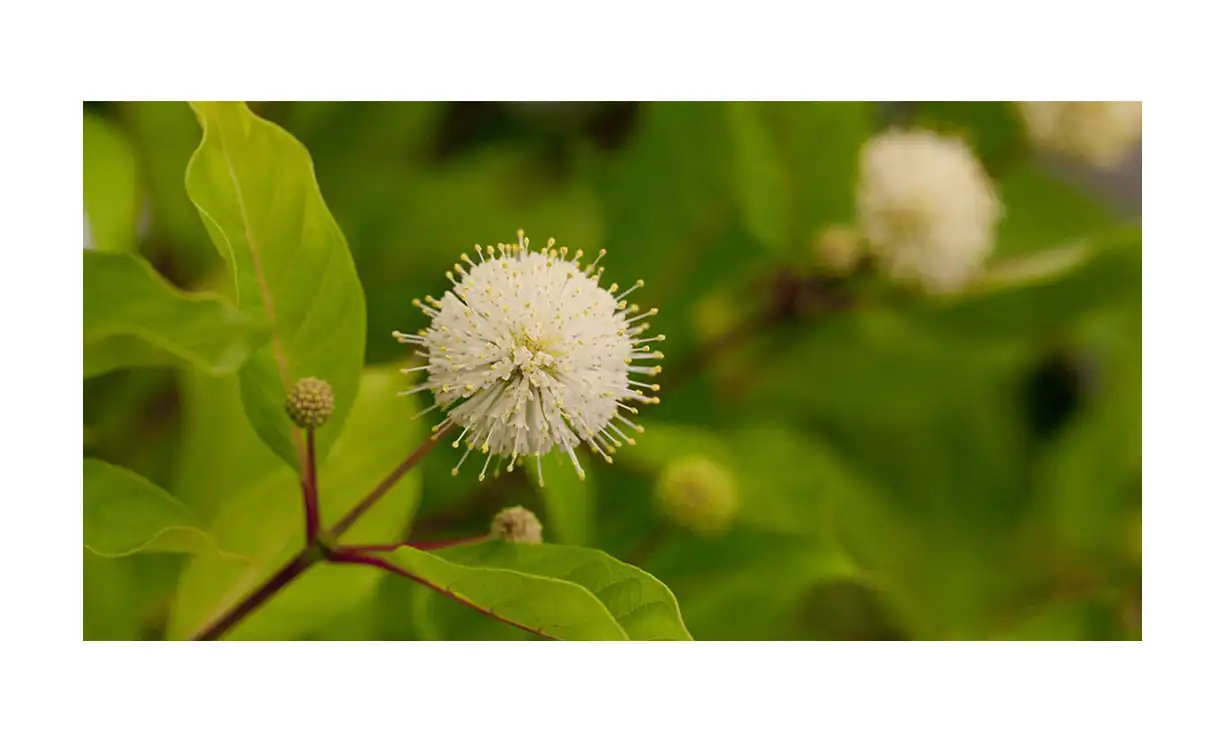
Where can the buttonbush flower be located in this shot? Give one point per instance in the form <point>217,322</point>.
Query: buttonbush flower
<point>926,207</point>
<point>1100,133</point>
<point>527,353</point>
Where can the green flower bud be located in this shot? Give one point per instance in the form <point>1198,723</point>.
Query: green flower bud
<point>838,250</point>
<point>517,524</point>
<point>310,403</point>
<point>698,494</point>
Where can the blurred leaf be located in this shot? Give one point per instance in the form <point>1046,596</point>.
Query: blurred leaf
<point>112,187</point>
<point>220,453</point>
<point>132,317</point>
<point>795,167</point>
<point>555,608</point>
<point>125,514</point>
<point>267,521</point>
<point>777,495</point>
<point>668,194</point>
<point>111,608</point>
<point>994,130</point>
<point>164,136</point>
<point>255,190</point>
<point>642,605</point>
<point>569,501</point>
<point>746,585</point>
<point>1039,293</point>
<point>1041,210</point>
<point>876,365</point>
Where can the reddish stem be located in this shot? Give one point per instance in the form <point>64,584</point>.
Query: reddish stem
<point>434,545</point>
<point>270,587</point>
<point>347,555</point>
<point>309,489</point>
<point>384,486</point>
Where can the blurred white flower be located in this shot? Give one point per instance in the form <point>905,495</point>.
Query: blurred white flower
<point>1098,133</point>
<point>527,352</point>
<point>517,524</point>
<point>926,206</point>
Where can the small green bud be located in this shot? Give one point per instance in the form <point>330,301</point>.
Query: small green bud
<point>517,524</point>
<point>698,494</point>
<point>837,250</point>
<point>309,403</point>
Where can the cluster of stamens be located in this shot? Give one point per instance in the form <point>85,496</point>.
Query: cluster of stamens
<point>526,353</point>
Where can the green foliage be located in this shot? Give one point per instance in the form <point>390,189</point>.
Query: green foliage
<point>795,168</point>
<point>112,186</point>
<point>906,466</point>
<point>255,190</point>
<point>561,592</point>
<point>639,603</point>
<point>125,514</point>
<point>133,316</point>
<point>568,501</point>
<point>265,521</point>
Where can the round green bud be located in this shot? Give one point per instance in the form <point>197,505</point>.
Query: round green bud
<point>310,403</point>
<point>837,250</point>
<point>698,494</point>
<point>517,524</point>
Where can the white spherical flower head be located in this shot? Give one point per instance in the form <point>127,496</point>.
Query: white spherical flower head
<point>926,207</point>
<point>528,353</point>
<point>1100,133</point>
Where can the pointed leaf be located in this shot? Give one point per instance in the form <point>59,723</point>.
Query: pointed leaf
<point>133,317</point>
<point>255,189</point>
<point>548,606</point>
<point>126,514</point>
<point>643,607</point>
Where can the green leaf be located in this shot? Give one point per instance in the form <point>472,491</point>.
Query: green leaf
<point>552,607</point>
<point>255,189</point>
<point>266,520</point>
<point>877,365</point>
<point>642,606</point>
<point>1047,291</point>
<point>112,187</point>
<point>568,501</point>
<point>220,453</point>
<point>126,514</point>
<point>667,196</point>
<point>994,130</point>
<point>133,317</point>
<point>1041,211</point>
<point>795,167</point>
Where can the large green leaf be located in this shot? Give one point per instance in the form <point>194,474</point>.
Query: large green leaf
<point>126,514</point>
<point>255,189</point>
<point>112,187</point>
<point>795,167</point>
<point>266,521</point>
<point>220,454</point>
<point>548,606</point>
<point>642,605</point>
<point>133,316</point>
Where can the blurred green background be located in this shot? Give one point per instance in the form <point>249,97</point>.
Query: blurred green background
<point>907,467</point>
